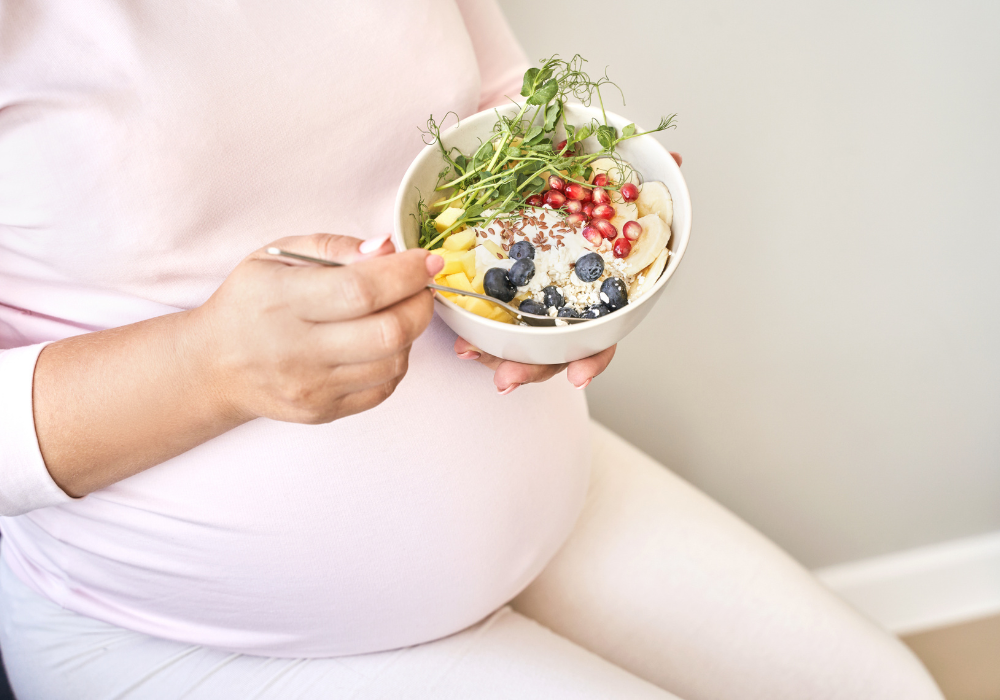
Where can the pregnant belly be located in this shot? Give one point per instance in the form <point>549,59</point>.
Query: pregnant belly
<point>394,527</point>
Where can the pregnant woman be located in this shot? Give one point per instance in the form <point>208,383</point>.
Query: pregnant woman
<point>227,477</point>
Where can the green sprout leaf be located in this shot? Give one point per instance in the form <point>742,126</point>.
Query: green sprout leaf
<point>628,131</point>
<point>545,93</point>
<point>528,86</point>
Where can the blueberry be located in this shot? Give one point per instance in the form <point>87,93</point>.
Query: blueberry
<point>614,293</point>
<point>596,311</point>
<point>568,312</point>
<point>521,272</point>
<point>589,267</point>
<point>552,296</point>
<point>522,249</point>
<point>497,284</point>
<point>530,306</point>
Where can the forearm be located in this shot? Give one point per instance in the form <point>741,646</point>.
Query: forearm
<point>110,404</point>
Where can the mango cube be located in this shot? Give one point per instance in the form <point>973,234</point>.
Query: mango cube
<point>462,240</point>
<point>459,281</point>
<point>477,282</point>
<point>468,259</point>
<point>495,250</point>
<point>447,218</point>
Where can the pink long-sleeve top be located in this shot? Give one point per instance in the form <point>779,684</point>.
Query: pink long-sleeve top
<point>145,148</point>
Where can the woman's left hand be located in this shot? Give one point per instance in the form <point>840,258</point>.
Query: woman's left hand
<point>508,375</point>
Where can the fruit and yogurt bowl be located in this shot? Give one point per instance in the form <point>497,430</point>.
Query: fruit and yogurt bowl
<point>553,206</point>
<point>572,251</point>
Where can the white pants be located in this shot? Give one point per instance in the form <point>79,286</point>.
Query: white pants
<point>659,593</point>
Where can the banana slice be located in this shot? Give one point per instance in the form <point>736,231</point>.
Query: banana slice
<point>654,238</point>
<point>645,280</point>
<point>614,171</point>
<point>624,212</point>
<point>654,198</point>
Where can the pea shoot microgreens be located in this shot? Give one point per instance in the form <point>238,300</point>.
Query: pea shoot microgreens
<point>496,180</point>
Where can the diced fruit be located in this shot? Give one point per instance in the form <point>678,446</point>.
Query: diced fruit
<point>534,200</point>
<point>654,238</point>
<point>495,250</point>
<point>632,230</point>
<point>500,315</point>
<point>522,249</point>
<point>629,192</point>
<point>554,198</point>
<point>521,273</point>
<point>497,284</point>
<point>459,281</point>
<point>576,191</point>
<point>577,219</point>
<point>606,228</point>
<point>601,196</point>
<point>613,293</point>
<point>589,267</point>
<point>468,259</point>
<point>447,218</point>
<point>477,283</point>
<point>530,306</point>
<point>478,306</point>
<point>588,209</point>
<point>592,235</point>
<point>622,247</point>
<point>604,211</point>
<point>574,206</point>
<point>462,240</point>
<point>451,266</point>
<point>556,182</point>
<point>654,198</point>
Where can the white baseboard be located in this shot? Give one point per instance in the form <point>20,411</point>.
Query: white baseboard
<point>923,588</point>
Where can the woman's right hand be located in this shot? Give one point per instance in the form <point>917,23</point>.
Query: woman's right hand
<point>309,343</point>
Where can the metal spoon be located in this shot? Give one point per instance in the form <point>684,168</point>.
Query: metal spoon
<point>530,319</point>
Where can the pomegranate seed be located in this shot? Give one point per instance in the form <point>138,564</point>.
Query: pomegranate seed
<point>632,230</point>
<point>600,180</point>
<point>622,247</point>
<point>604,211</point>
<point>592,235</point>
<point>606,228</point>
<point>630,192</point>
<point>601,196</point>
<point>588,209</point>
<point>576,219</point>
<point>556,182</point>
<point>554,198</point>
<point>574,206</point>
<point>535,200</point>
<point>576,191</point>
<point>560,146</point>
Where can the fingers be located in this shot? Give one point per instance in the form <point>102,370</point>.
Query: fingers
<point>323,294</point>
<point>376,336</point>
<point>677,158</point>
<point>507,375</point>
<point>581,372</point>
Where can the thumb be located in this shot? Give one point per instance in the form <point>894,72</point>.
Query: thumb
<point>328,246</point>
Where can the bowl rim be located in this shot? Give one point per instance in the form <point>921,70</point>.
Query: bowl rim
<point>569,329</point>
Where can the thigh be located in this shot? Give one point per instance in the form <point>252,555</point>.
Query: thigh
<point>664,582</point>
<point>53,654</point>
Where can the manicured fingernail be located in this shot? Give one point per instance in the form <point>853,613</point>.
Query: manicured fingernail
<point>508,389</point>
<point>584,385</point>
<point>469,355</point>
<point>435,263</point>
<point>373,244</point>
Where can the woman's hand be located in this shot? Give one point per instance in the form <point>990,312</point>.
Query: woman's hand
<point>308,344</point>
<point>508,375</point>
<point>311,344</point>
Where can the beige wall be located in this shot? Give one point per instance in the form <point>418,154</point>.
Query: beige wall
<point>827,360</point>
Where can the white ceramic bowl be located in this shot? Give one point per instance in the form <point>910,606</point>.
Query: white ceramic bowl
<point>545,345</point>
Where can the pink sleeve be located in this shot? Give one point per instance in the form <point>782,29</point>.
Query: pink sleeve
<point>25,483</point>
<point>501,59</point>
